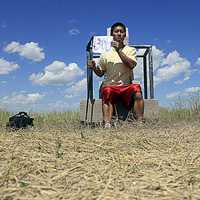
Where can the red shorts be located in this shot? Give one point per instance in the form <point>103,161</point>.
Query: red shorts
<point>124,93</point>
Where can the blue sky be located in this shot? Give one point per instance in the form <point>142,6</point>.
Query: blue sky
<point>42,48</point>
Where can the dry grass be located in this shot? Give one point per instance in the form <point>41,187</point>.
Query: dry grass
<point>134,162</point>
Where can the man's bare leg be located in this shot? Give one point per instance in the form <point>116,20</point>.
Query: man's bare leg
<point>139,106</point>
<point>107,112</point>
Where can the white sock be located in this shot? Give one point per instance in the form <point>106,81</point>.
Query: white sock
<point>107,125</point>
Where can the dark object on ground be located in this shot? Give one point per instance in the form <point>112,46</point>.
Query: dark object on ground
<point>20,120</point>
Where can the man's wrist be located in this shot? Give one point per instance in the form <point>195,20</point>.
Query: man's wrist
<point>94,67</point>
<point>119,50</point>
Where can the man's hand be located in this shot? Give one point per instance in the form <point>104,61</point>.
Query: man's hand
<point>117,45</point>
<point>91,64</point>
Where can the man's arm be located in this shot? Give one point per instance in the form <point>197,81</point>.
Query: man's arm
<point>129,62</point>
<point>92,65</point>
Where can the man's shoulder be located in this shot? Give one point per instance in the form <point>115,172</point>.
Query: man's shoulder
<point>129,48</point>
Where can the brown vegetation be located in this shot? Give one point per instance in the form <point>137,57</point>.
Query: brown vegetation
<point>158,160</point>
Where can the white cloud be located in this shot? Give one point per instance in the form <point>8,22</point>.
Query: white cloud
<point>193,90</point>
<point>29,50</point>
<point>158,56</point>
<point>77,89</point>
<point>173,95</point>
<point>74,94</point>
<point>179,82</point>
<point>185,92</point>
<point>20,101</point>
<point>166,67</point>
<point>3,82</point>
<point>6,67</point>
<point>68,96</point>
<point>140,52</point>
<point>57,73</point>
<point>61,106</point>
<point>198,61</point>
<point>172,66</point>
<point>74,31</point>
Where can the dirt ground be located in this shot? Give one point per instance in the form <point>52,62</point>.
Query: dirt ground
<point>133,162</point>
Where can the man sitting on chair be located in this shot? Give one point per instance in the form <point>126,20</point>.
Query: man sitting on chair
<point>117,67</point>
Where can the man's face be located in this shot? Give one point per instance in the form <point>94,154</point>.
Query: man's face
<point>119,34</point>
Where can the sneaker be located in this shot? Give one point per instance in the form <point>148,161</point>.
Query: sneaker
<point>107,125</point>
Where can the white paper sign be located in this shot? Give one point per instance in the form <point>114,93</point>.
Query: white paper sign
<point>101,44</point>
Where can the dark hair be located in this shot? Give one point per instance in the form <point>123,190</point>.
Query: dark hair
<point>115,25</point>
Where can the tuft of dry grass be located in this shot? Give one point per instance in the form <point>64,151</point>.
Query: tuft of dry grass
<point>183,109</point>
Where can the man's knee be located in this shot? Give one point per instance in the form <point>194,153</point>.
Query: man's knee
<point>138,96</point>
<point>107,91</point>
